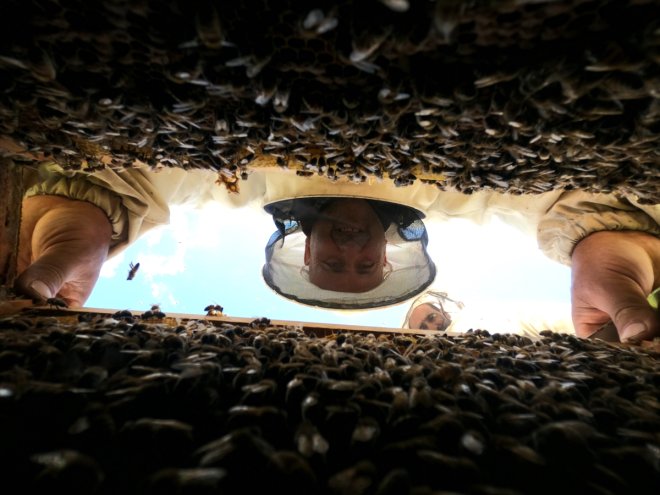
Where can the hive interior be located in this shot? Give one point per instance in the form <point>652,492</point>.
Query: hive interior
<point>122,404</point>
<point>517,96</point>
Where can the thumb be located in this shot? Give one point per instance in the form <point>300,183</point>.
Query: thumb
<point>66,243</point>
<point>40,281</point>
<point>51,276</point>
<point>639,322</point>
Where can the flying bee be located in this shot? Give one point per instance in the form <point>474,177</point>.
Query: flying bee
<point>133,270</point>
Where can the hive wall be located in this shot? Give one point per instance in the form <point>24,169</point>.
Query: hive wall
<point>522,96</point>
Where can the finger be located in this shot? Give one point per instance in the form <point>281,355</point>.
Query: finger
<point>69,244</point>
<point>59,274</point>
<point>40,281</point>
<point>637,323</point>
<point>607,333</point>
<point>630,312</point>
<point>75,294</point>
<point>587,320</point>
<point>625,304</point>
<point>612,275</point>
<point>599,294</point>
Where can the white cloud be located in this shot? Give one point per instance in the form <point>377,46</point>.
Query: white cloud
<point>198,227</point>
<point>152,265</point>
<point>172,300</point>
<point>161,292</point>
<point>157,289</point>
<point>109,268</point>
<point>154,236</point>
<point>213,227</point>
<point>472,259</point>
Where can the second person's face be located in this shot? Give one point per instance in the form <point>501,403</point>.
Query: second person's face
<point>429,317</point>
<point>345,250</point>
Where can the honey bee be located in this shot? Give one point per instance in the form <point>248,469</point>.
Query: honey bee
<point>123,314</point>
<point>260,322</point>
<point>55,302</point>
<point>154,312</point>
<point>213,310</point>
<point>133,270</point>
<point>229,180</point>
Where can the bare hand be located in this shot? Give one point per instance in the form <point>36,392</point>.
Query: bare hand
<point>612,275</point>
<point>63,244</point>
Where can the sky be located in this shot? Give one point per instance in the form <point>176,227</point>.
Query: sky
<point>207,256</point>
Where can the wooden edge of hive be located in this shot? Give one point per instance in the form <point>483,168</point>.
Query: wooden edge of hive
<point>11,189</point>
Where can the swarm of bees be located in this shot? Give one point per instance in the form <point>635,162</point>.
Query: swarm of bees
<point>133,268</point>
<point>528,95</point>
<point>149,407</point>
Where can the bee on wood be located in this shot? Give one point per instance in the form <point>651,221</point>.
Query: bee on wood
<point>260,322</point>
<point>124,314</point>
<point>153,313</point>
<point>213,310</point>
<point>133,268</point>
<point>56,302</point>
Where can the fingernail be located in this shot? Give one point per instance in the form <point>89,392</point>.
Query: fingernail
<point>633,333</point>
<point>40,288</point>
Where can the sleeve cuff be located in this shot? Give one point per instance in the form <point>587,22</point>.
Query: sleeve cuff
<point>78,187</point>
<point>575,216</point>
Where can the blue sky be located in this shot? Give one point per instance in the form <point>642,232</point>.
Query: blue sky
<point>209,257</point>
